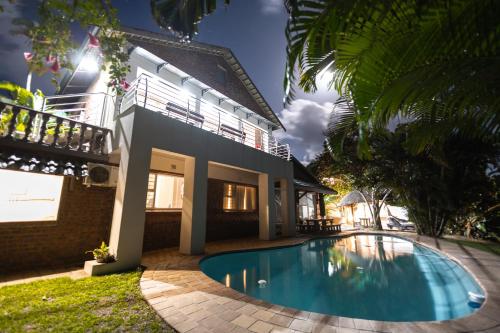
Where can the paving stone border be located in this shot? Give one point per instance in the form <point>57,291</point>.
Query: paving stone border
<point>190,301</point>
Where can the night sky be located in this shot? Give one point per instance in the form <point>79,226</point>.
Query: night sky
<point>252,29</point>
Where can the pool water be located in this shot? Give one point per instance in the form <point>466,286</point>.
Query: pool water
<point>364,276</point>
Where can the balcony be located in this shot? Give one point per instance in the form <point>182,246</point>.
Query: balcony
<point>50,133</point>
<point>160,96</point>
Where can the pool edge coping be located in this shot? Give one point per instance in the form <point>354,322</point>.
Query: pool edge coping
<point>354,233</point>
<point>461,324</point>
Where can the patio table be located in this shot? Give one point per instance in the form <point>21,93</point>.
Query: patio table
<point>323,225</point>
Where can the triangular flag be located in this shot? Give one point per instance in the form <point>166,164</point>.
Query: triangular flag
<point>125,85</point>
<point>28,56</point>
<point>55,66</point>
<point>93,41</point>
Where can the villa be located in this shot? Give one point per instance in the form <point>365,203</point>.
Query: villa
<point>182,173</point>
<point>187,155</point>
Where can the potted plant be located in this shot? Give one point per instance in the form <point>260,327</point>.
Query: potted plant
<point>102,254</point>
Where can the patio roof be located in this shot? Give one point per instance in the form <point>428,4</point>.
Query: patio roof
<point>351,198</point>
<point>305,181</point>
<point>312,187</point>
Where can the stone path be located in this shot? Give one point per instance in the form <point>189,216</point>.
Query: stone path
<point>191,302</point>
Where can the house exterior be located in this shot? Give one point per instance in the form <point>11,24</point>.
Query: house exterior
<point>187,155</point>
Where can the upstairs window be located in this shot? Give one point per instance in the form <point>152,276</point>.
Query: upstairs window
<point>29,197</point>
<point>164,192</point>
<point>221,75</point>
<point>239,197</point>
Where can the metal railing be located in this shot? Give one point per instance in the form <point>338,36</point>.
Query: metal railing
<point>157,95</point>
<point>29,126</point>
<point>91,108</point>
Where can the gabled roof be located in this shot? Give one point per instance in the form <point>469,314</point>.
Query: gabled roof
<point>201,61</point>
<point>305,181</point>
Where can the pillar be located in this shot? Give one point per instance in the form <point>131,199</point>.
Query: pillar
<point>267,210</point>
<point>322,210</point>
<point>127,226</point>
<point>194,206</point>
<point>288,206</point>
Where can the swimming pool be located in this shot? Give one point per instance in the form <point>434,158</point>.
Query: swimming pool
<point>363,276</point>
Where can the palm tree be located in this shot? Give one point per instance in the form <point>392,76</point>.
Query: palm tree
<point>434,63</point>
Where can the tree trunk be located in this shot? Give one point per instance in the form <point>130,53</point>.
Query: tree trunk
<point>377,222</point>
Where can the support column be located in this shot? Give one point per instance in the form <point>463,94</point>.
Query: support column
<point>267,209</point>
<point>322,208</point>
<point>127,227</point>
<point>194,206</point>
<point>288,206</point>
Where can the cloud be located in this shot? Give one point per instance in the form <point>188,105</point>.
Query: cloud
<point>12,46</point>
<point>272,6</point>
<point>306,122</point>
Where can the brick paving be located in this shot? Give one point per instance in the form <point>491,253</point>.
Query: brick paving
<point>192,302</point>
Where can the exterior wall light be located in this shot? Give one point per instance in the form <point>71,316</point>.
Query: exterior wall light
<point>89,64</point>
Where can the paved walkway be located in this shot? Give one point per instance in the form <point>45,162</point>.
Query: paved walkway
<point>192,302</point>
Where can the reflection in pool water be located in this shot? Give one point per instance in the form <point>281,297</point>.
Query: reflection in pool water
<point>363,276</point>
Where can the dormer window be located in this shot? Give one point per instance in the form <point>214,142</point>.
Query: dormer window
<point>221,74</point>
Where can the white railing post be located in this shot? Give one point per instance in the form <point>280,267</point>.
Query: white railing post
<point>104,111</point>
<point>240,125</point>
<point>218,124</point>
<point>146,93</point>
<point>214,116</point>
<point>135,91</point>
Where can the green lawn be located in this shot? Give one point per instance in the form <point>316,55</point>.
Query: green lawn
<point>484,246</point>
<point>97,304</point>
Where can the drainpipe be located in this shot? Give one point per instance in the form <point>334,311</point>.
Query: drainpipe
<point>28,81</point>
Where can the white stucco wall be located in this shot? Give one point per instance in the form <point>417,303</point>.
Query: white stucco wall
<point>140,63</point>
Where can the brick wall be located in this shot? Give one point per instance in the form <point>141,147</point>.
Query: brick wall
<point>224,225</point>
<point>84,221</point>
<point>162,229</point>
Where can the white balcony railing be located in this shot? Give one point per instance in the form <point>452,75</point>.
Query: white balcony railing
<point>160,96</point>
<point>95,109</point>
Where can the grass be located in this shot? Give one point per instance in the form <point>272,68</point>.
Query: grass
<point>480,245</point>
<point>97,304</point>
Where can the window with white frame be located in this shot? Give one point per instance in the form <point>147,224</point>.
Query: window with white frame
<point>165,191</point>
<point>29,197</point>
<point>239,197</point>
<point>307,206</point>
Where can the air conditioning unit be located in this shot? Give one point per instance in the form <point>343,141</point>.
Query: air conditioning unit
<point>101,175</point>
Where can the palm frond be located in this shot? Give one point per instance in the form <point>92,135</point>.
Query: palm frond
<point>434,62</point>
<point>182,16</point>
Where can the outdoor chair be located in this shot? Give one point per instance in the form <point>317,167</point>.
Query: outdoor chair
<point>396,223</point>
<point>177,111</point>
<point>231,131</point>
<point>302,226</point>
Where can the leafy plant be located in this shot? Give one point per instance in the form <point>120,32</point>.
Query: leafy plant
<point>102,254</point>
<point>433,63</point>
<point>442,189</point>
<point>21,97</point>
<point>18,95</point>
<point>51,36</point>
